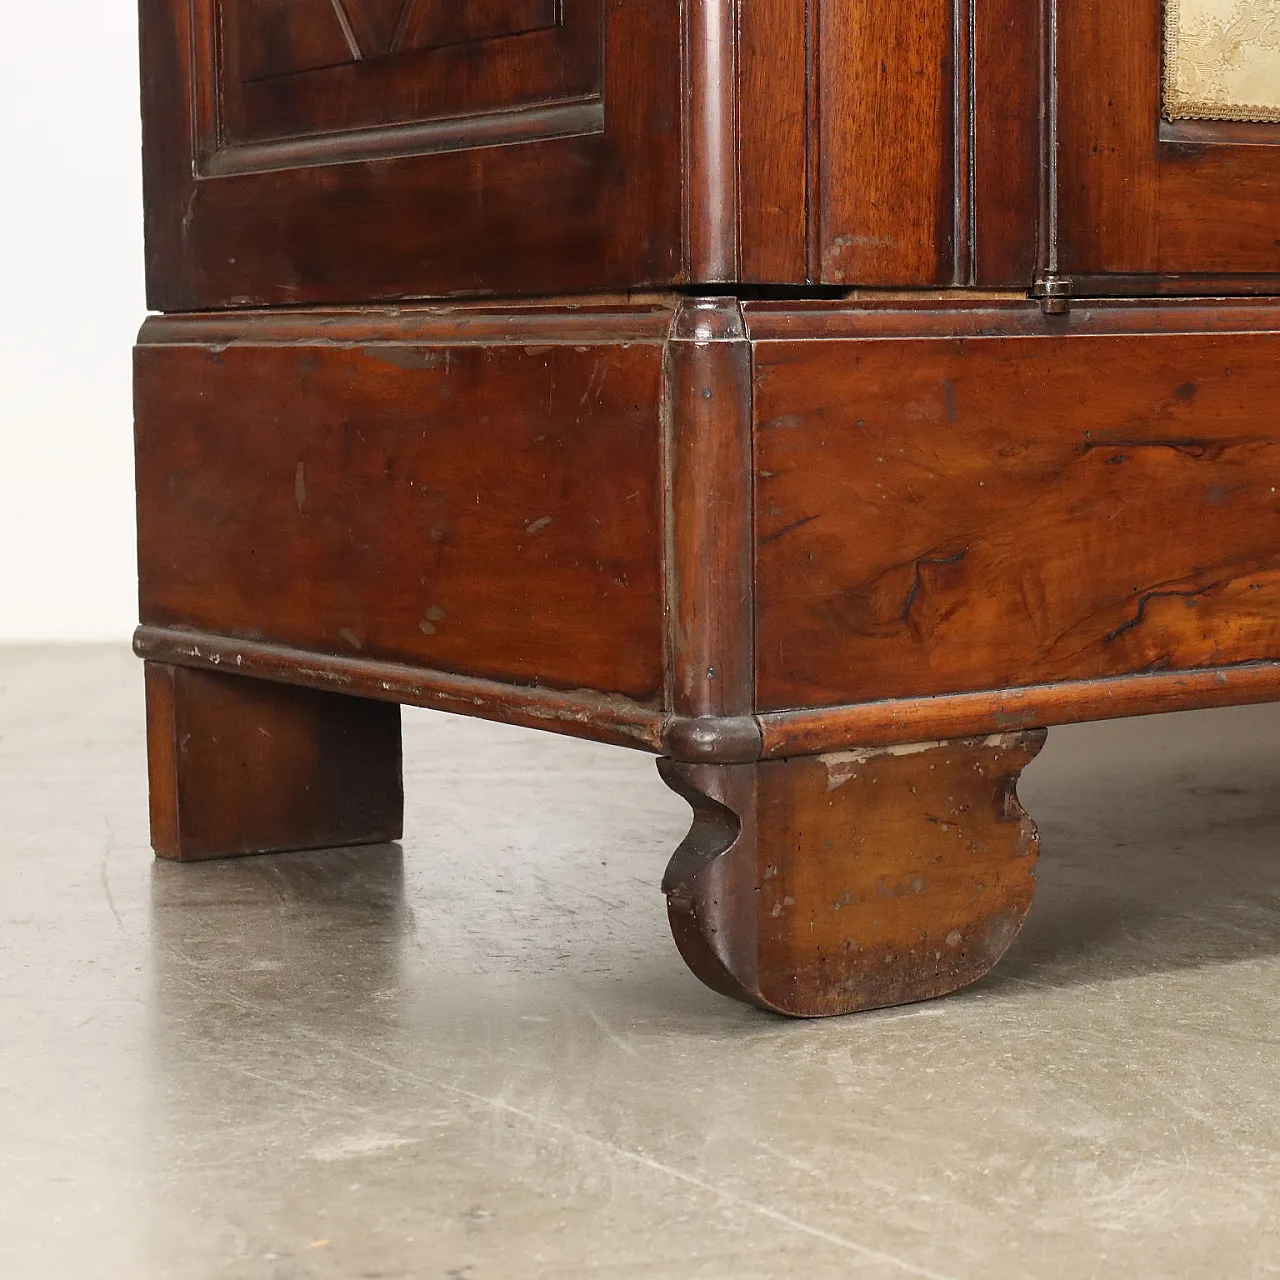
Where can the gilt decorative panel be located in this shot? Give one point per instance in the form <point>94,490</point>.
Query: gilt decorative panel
<point>1222,60</point>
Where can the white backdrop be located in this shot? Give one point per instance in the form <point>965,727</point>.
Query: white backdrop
<point>71,301</point>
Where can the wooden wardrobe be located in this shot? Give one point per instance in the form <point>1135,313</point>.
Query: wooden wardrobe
<point>826,396</point>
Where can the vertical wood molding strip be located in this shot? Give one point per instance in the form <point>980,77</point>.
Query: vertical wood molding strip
<point>710,517</point>
<point>711,140</point>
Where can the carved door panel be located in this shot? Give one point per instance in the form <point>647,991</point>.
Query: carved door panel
<point>350,150</point>
<point>1147,186</point>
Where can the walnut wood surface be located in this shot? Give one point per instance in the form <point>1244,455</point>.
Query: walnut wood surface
<point>886,721</point>
<point>308,484</point>
<point>886,137</point>
<point>242,766</point>
<point>945,514</point>
<point>1005,118</point>
<point>890,144</point>
<point>709,536</point>
<point>492,509</point>
<point>388,64</point>
<point>777,110</point>
<point>524,163</point>
<point>842,882</point>
<point>579,713</point>
<point>711,178</point>
<point>1139,198</point>
<point>748,536</point>
<point>346,151</point>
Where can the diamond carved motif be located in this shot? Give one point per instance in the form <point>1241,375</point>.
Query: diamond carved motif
<point>379,28</point>
<point>374,28</point>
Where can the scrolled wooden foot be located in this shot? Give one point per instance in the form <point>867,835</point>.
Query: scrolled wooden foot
<point>828,884</point>
<point>240,766</point>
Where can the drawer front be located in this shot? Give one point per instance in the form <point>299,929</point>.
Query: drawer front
<point>939,514</point>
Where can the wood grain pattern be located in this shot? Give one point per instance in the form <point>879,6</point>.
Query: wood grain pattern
<point>698,718</point>
<point>1138,199</point>
<point>954,514</point>
<point>1008,42</point>
<point>267,39</point>
<point>709,538</point>
<point>890,145</point>
<point>712,140</point>
<point>382,198</point>
<point>448,150</point>
<point>491,509</point>
<point>852,881</point>
<point>242,766</point>
<point>774,100</point>
<point>886,118</point>
<point>433,24</point>
<point>443,61</point>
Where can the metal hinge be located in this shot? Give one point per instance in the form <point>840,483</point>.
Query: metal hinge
<point>1054,292</point>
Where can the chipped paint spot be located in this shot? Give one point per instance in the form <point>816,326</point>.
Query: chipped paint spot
<point>300,488</point>
<point>538,525</point>
<point>843,765</point>
<point>410,359</point>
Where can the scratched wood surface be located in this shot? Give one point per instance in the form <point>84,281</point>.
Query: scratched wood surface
<point>950,514</point>
<point>488,509</point>
<point>856,880</point>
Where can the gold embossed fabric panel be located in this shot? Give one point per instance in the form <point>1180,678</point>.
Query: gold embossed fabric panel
<point>1222,60</point>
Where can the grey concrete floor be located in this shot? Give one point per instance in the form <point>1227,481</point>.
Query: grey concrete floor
<point>478,1057</point>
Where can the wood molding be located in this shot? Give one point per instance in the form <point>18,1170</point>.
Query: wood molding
<point>901,720</point>
<point>709,511</point>
<point>711,141</point>
<point>579,714</point>
<point>498,128</point>
<point>722,740</point>
<point>566,321</point>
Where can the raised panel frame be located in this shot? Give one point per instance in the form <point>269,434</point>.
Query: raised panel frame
<point>568,188</point>
<point>537,82</point>
<point>1143,204</point>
